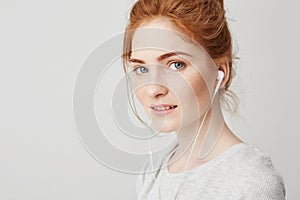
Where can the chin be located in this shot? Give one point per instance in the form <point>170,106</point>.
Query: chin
<point>165,126</point>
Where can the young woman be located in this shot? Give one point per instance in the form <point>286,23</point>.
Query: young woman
<point>178,58</point>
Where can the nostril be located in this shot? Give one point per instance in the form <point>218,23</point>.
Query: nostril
<point>157,91</point>
<point>159,95</point>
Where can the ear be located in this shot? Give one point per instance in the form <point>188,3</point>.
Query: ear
<point>223,65</point>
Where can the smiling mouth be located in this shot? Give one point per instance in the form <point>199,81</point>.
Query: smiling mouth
<point>163,109</point>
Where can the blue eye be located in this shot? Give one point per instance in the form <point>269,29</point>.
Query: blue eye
<point>141,70</point>
<point>176,65</point>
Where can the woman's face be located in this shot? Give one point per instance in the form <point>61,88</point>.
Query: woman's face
<point>173,77</point>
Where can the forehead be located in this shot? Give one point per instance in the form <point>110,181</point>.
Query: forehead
<point>165,40</point>
<point>161,34</point>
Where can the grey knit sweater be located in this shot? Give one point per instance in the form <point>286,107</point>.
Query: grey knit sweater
<point>241,172</point>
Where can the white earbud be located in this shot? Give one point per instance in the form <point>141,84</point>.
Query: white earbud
<point>220,75</point>
<point>219,79</point>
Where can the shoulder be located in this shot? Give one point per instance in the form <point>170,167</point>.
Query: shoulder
<point>256,175</point>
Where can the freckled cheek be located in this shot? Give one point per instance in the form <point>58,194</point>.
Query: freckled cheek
<point>201,91</point>
<point>142,98</point>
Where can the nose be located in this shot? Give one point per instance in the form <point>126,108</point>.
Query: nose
<point>156,90</point>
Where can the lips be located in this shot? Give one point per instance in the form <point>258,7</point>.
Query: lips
<point>163,109</point>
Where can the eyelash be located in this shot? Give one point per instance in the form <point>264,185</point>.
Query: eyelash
<point>138,67</point>
<point>168,66</point>
<point>172,62</point>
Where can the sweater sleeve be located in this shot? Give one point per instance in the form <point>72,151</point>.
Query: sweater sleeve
<point>271,187</point>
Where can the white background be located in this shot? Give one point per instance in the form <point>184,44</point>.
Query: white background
<point>42,47</point>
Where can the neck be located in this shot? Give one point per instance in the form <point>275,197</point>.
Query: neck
<point>201,140</point>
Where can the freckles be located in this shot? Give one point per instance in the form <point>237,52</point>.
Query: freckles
<point>139,94</point>
<point>200,84</point>
<point>200,90</point>
<point>196,82</point>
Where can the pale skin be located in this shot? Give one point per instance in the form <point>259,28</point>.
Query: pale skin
<point>160,94</point>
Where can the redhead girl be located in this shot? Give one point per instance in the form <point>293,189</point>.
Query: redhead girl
<point>178,59</point>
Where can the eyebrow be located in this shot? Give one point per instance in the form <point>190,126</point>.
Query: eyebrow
<point>161,57</point>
